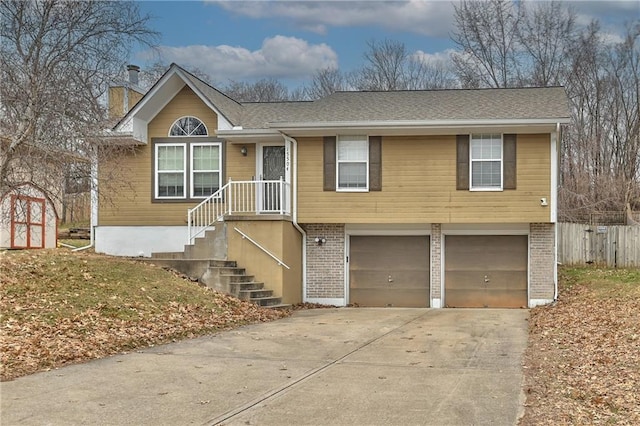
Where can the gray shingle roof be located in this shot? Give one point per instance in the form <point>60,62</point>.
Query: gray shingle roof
<point>258,115</point>
<point>231,109</point>
<point>420,106</point>
<point>481,104</point>
<point>407,105</point>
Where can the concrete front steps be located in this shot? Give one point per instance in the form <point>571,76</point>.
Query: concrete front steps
<point>222,275</point>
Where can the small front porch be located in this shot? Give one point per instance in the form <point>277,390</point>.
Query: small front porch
<point>242,201</point>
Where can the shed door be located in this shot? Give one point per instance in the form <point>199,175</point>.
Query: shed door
<point>389,271</point>
<point>27,222</point>
<point>485,271</point>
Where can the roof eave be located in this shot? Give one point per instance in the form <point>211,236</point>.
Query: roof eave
<point>122,138</point>
<point>249,135</point>
<point>415,124</point>
<point>416,128</point>
<point>203,97</point>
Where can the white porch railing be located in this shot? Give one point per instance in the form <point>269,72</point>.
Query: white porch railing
<point>239,198</point>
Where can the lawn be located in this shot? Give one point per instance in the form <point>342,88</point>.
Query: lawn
<point>59,307</point>
<point>582,364</point>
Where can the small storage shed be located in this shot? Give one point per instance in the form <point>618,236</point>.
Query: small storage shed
<point>28,219</point>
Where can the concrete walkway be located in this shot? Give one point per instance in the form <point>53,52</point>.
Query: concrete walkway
<point>325,366</point>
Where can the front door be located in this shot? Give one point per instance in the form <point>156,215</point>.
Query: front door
<point>272,169</point>
<point>27,222</point>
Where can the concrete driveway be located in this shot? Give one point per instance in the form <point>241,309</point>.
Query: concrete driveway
<point>351,366</point>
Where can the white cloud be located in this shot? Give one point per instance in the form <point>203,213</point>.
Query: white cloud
<point>278,57</point>
<point>611,15</point>
<point>431,18</point>
<point>426,17</point>
<point>442,57</point>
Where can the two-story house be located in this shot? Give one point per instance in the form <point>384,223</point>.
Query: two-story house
<point>442,198</point>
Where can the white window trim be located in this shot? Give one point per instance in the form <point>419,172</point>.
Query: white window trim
<point>192,171</point>
<point>157,172</point>
<point>188,136</point>
<point>471,161</point>
<point>338,162</point>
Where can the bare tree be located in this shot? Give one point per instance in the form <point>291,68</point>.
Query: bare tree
<point>264,90</point>
<point>547,34</point>
<point>601,156</point>
<point>487,36</point>
<point>423,72</point>
<point>57,58</point>
<point>625,72</point>
<point>325,82</point>
<point>389,66</point>
<point>384,68</point>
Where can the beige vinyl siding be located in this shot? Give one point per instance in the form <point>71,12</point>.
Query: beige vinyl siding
<point>116,100</point>
<point>134,98</point>
<point>130,203</point>
<point>240,167</point>
<point>419,186</point>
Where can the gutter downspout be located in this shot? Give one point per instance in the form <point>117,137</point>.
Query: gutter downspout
<point>94,204</point>
<point>294,220</point>
<point>555,263</point>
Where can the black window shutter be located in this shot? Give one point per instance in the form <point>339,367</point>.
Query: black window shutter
<point>462,162</point>
<point>375,163</point>
<point>329,159</point>
<point>509,176</point>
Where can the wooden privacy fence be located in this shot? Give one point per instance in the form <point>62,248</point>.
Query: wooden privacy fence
<point>613,246</point>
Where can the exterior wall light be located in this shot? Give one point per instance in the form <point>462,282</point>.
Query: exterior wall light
<point>243,151</point>
<point>320,240</point>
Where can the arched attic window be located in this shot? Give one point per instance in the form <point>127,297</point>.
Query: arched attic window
<point>188,126</point>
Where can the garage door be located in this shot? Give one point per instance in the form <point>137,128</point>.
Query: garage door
<point>389,271</point>
<point>485,271</point>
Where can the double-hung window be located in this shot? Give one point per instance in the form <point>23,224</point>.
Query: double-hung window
<point>486,162</point>
<point>205,169</point>
<point>171,170</point>
<point>352,163</point>
<point>187,164</point>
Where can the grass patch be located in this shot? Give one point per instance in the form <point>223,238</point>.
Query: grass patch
<point>603,282</point>
<point>59,307</point>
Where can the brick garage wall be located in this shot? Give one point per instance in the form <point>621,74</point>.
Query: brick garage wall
<point>325,263</point>
<point>436,260</point>
<point>542,260</point>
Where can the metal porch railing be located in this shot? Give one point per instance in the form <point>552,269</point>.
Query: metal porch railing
<point>239,198</point>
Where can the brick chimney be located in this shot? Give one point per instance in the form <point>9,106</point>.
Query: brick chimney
<point>124,95</point>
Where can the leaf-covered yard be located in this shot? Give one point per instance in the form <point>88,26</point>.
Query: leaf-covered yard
<point>582,365</point>
<point>58,307</point>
